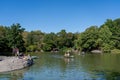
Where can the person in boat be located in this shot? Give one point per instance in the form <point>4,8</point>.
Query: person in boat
<point>67,54</point>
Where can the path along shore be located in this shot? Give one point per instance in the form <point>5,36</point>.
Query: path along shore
<point>14,63</point>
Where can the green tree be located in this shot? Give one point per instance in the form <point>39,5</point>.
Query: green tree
<point>105,36</point>
<point>116,33</point>
<point>14,36</point>
<point>3,45</point>
<point>114,26</point>
<point>62,36</point>
<point>50,41</point>
<point>69,40</point>
<point>34,40</point>
<point>87,40</point>
<point>78,42</point>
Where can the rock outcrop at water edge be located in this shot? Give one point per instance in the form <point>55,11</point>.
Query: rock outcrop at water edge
<point>14,63</point>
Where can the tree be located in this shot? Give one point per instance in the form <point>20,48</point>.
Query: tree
<point>14,36</point>
<point>3,45</point>
<point>87,40</point>
<point>114,26</point>
<point>105,36</point>
<point>65,40</point>
<point>50,41</point>
<point>69,40</point>
<point>34,39</point>
<point>116,33</point>
<point>78,42</point>
<point>62,36</point>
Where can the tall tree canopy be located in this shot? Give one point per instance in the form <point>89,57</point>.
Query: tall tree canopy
<point>3,45</point>
<point>14,36</point>
<point>34,40</point>
<point>87,40</point>
<point>105,37</point>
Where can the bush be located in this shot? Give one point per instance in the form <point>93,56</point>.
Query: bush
<point>106,48</point>
<point>115,51</point>
<point>32,48</point>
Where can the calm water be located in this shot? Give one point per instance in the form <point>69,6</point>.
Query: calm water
<point>81,67</point>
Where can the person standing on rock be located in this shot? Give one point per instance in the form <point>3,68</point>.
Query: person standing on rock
<point>16,51</point>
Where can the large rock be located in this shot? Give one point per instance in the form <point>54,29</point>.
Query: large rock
<point>96,51</point>
<point>14,63</point>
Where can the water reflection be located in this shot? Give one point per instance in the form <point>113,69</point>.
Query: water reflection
<point>108,75</point>
<point>104,67</point>
<point>68,60</point>
<point>13,75</point>
<point>56,67</point>
<point>112,76</point>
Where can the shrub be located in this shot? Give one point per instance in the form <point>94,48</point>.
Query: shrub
<point>115,51</point>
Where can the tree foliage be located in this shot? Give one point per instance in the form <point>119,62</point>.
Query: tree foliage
<point>88,39</point>
<point>3,44</point>
<point>11,37</point>
<point>34,40</point>
<point>14,36</point>
<point>105,37</point>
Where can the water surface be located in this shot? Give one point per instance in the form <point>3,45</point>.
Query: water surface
<point>82,67</point>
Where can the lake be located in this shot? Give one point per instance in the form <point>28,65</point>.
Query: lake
<point>51,66</point>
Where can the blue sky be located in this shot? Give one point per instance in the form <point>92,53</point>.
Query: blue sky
<point>55,15</point>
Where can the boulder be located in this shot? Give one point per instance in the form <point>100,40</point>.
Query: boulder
<point>96,51</point>
<point>14,63</point>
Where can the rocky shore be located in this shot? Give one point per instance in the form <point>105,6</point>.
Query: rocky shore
<point>14,63</point>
